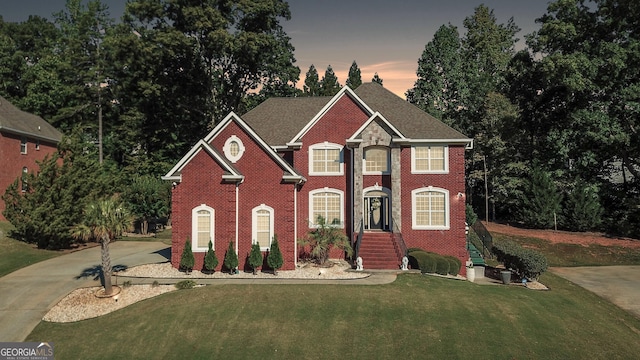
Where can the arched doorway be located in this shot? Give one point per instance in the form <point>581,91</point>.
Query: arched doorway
<point>376,209</point>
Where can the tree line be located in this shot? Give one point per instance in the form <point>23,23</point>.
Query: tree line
<point>554,125</point>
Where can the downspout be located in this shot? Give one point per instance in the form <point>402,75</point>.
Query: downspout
<point>351,215</point>
<point>295,224</point>
<point>237,217</point>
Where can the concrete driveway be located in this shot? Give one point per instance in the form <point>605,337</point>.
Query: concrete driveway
<point>26,295</point>
<point>618,284</point>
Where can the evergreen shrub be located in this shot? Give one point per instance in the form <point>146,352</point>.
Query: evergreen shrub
<point>231,259</point>
<point>527,263</point>
<point>255,258</point>
<point>186,284</point>
<point>454,265</point>
<point>210,259</point>
<point>442,265</point>
<point>274,259</point>
<point>187,261</point>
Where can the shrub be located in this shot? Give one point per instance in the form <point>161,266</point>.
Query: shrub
<point>526,263</point>
<point>187,260</point>
<point>442,265</point>
<point>126,284</point>
<point>471,216</point>
<point>454,265</point>
<point>255,258</point>
<point>231,259</point>
<point>274,259</point>
<point>155,283</point>
<point>426,261</point>
<point>186,284</point>
<point>323,238</point>
<point>210,260</point>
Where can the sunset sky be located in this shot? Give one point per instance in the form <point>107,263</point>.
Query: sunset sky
<point>383,36</point>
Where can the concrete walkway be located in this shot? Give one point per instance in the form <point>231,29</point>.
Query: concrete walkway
<point>27,294</point>
<point>617,284</point>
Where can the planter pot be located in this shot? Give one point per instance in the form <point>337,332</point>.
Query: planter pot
<point>505,275</point>
<point>471,274</point>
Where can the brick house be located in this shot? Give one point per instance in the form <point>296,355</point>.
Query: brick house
<point>24,139</point>
<point>369,162</point>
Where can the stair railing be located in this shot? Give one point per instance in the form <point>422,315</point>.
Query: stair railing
<point>397,238</point>
<point>356,246</point>
<point>485,238</point>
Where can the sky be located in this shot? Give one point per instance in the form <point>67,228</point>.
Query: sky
<point>383,36</point>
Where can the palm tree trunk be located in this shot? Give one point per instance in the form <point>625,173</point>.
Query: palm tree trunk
<point>106,265</point>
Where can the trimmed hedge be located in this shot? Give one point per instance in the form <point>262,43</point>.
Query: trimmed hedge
<point>442,265</point>
<point>426,261</point>
<point>430,263</point>
<point>454,265</point>
<point>526,263</point>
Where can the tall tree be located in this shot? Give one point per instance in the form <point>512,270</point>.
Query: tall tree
<point>355,77</point>
<point>329,84</point>
<point>312,82</point>
<point>104,220</point>
<point>376,79</point>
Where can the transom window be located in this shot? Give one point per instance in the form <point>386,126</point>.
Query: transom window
<point>262,226</point>
<point>325,159</point>
<point>202,218</point>
<point>233,148</point>
<point>376,160</point>
<point>430,208</point>
<point>328,204</point>
<point>429,159</point>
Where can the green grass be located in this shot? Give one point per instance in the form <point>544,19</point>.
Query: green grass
<point>416,317</point>
<point>17,254</point>
<point>163,236</point>
<point>577,255</point>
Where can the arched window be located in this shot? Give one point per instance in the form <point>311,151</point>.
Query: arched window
<point>430,208</point>
<point>376,160</point>
<point>326,159</point>
<point>203,220</point>
<point>262,228</point>
<point>327,203</point>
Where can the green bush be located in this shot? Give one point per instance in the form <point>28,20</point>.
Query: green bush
<point>255,258</point>
<point>186,284</point>
<point>442,265</point>
<point>210,260</point>
<point>454,265</point>
<point>470,215</point>
<point>526,263</point>
<point>426,261</point>
<point>187,260</point>
<point>231,259</point>
<point>274,259</point>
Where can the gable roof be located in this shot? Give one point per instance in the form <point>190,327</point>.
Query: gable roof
<point>356,137</point>
<point>290,174</point>
<point>231,173</point>
<point>16,121</point>
<point>406,117</point>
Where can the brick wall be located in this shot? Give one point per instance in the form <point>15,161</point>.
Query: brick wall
<point>12,161</point>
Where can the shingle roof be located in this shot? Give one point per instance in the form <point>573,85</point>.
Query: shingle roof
<point>278,120</point>
<point>19,122</point>
<point>410,120</point>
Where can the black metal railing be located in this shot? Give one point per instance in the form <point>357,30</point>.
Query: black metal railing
<point>397,237</point>
<point>485,238</point>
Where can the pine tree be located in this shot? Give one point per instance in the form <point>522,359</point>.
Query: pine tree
<point>187,261</point>
<point>376,79</point>
<point>582,210</point>
<point>255,258</point>
<point>210,260</point>
<point>329,84</point>
<point>541,201</point>
<point>355,77</point>
<point>311,83</point>
<point>274,259</point>
<point>231,259</point>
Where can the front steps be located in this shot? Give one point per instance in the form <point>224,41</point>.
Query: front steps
<point>378,252</point>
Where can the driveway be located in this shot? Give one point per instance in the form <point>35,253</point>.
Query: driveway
<point>618,284</point>
<point>28,294</point>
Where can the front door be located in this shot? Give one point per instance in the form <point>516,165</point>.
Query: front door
<point>376,212</point>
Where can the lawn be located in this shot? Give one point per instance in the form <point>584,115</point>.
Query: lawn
<point>416,317</point>
<point>17,254</point>
<point>577,255</point>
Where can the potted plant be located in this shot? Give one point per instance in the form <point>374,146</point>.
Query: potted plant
<point>255,258</point>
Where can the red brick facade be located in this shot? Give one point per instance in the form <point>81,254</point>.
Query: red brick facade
<point>266,180</point>
<point>13,161</point>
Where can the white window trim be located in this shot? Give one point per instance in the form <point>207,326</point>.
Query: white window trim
<point>194,228</point>
<point>227,149</point>
<point>447,201</point>
<point>24,144</point>
<point>413,160</point>
<point>364,161</point>
<point>254,224</point>
<point>312,224</point>
<point>326,146</point>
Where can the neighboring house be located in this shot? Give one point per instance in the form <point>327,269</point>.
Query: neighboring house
<point>364,160</point>
<point>24,139</point>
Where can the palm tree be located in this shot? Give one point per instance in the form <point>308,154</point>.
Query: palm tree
<point>104,220</point>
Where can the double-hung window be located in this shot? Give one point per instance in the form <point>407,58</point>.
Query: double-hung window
<point>203,220</point>
<point>429,159</point>
<point>327,203</point>
<point>430,208</point>
<point>326,159</point>
<point>262,219</point>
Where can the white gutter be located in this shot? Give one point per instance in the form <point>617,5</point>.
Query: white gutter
<point>295,225</point>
